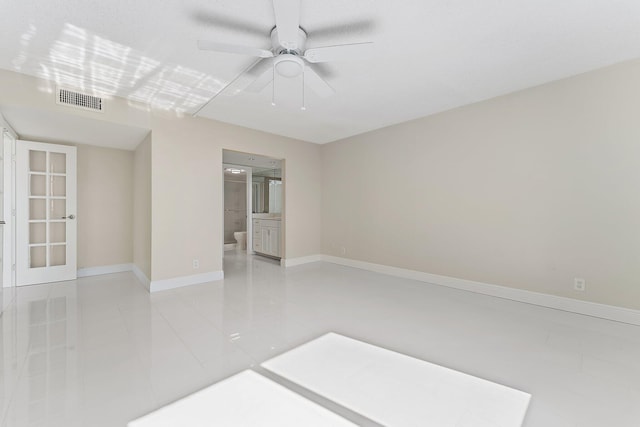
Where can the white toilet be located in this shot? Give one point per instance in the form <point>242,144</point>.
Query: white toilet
<point>241,238</point>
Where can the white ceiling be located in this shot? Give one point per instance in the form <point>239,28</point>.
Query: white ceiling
<point>431,55</point>
<point>47,126</point>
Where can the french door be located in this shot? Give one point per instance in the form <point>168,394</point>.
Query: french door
<point>46,212</point>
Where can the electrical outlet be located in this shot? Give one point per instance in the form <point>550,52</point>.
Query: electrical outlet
<point>196,263</point>
<point>579,284</point>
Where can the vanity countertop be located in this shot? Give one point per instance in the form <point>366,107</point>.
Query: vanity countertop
<point>266,216</point>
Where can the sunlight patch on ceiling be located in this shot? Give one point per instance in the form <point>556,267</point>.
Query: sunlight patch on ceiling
<point>100,67</point>
<point>25,41</point>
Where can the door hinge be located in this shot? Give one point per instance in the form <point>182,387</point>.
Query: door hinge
<point>13,267</point>
<point>13,212</point>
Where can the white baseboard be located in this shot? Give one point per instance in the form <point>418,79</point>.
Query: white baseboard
<point>292,262</point>
<point>103,269</point>
<point>178,282</point>
<point>230,246</point>
<point>610,312</point>
<point>142,277</point>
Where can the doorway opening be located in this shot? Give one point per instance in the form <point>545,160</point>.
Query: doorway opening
<point>236,201</point>
<point>253,205</point>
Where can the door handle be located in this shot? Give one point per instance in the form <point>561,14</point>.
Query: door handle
<point>72,216</point>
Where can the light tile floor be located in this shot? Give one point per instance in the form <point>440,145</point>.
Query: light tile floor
<point>100,351</point>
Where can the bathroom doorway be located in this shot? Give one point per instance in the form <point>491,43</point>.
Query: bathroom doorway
<point>253,205</point>
<point>237,196</point>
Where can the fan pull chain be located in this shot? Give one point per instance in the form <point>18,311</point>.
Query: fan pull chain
<point>273,86</point>
<point>304,105</point>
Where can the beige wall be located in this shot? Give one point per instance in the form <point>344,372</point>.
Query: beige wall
<point>105,206</point>
<point>142,206</point>
<point>529,190</point>
<point>187,192</point>
<point>186,178</point>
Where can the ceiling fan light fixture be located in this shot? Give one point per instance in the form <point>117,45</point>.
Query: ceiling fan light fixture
<point>289,66</point>
<point>288,57</point>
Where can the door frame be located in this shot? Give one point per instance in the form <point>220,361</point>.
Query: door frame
<point>283,214</point>
<point>9,212</point>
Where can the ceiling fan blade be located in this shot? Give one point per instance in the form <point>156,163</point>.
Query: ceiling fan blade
<point>263,72</point>
<point>232,48</point>
<point>317,83</point>
<point>227,22</point>
<point>343,52</point>
<point>358,27</point>
<point>287,22</point>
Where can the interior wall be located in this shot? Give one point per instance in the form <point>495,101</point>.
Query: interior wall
<point>186,178</point>
<point>529,190</point>
<point>142,206</point>
<point>105,206</point>
<point>187,192</point>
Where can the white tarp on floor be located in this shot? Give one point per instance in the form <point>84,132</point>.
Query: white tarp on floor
<point>397,390</point>
<point>383,386</point>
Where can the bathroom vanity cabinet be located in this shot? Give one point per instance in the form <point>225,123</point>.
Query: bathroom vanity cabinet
<point>266,237</point>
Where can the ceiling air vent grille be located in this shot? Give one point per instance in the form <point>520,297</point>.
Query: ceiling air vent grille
<point>79,100</point>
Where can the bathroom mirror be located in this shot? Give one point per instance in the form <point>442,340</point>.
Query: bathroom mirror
<point>267,191</point>
<point>275,195</point>
<point>257,194</point>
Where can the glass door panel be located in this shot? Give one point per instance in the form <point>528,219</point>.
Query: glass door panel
<point>47,188</point>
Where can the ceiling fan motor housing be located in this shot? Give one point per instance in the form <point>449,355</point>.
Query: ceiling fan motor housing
<point>295,47</point>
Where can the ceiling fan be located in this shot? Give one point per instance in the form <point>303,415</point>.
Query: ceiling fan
<point>288,56</point>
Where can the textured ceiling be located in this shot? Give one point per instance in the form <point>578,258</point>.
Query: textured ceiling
<point>430,55</point>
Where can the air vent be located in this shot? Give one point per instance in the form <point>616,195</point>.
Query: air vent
<point>78,100</point>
